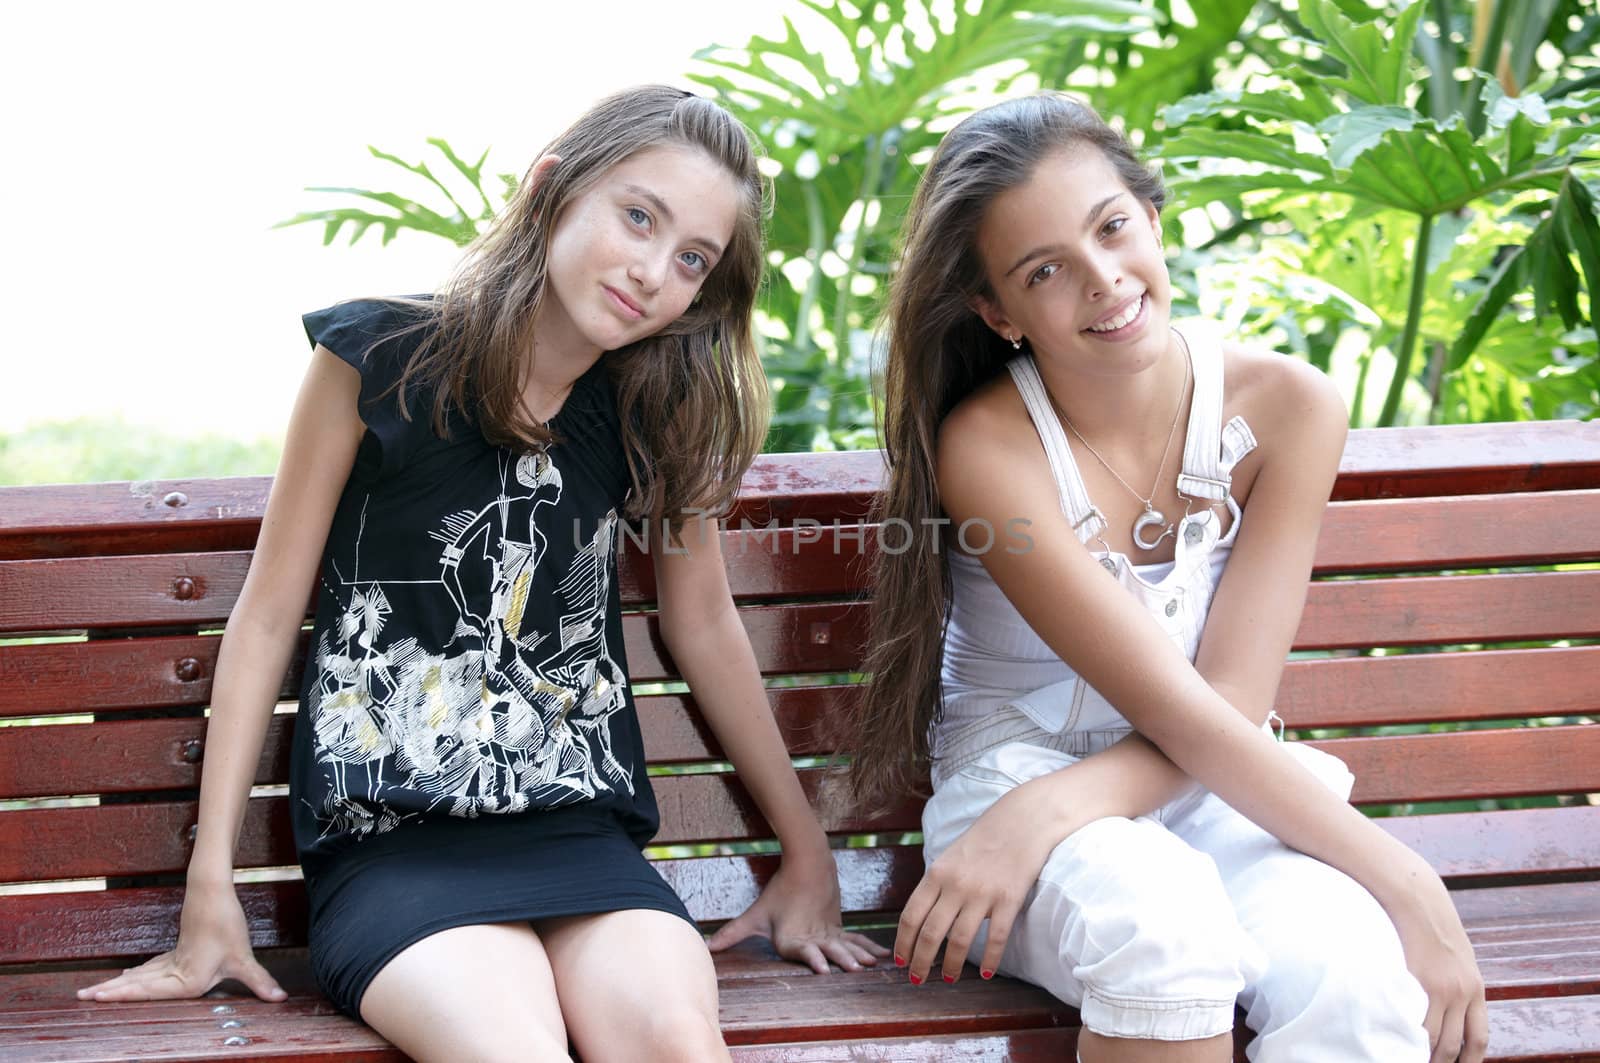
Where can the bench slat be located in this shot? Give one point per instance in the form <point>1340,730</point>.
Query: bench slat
<point>1520,1031</point>
<point>1336,692</point>
<point>82,519</point>
<point>1471,764</point>
<point>1427,687</point>
<point>152,838</point>
<point>119,673</point>
<point>40,844</point>
<point>1530,935</point>
<point>1437,610</point>
<point>125,756</point>
<point>150,755</point>
<point>1403,611</point>
<point>1368,536</point>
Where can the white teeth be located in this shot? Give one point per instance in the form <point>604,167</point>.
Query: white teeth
<point>1121,319</point>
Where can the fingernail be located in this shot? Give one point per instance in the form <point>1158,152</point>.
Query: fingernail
<point>916,979</point>
<point>899,960</point>
<point>949,980</point>
<point>987,974</point>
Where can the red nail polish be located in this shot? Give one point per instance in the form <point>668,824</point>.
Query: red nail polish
<point>987,974</point>
<point>916,979</point>
<point>948,980</point>
<point>899,960</point>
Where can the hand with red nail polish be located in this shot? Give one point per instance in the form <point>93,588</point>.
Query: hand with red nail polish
<point>984,876</point>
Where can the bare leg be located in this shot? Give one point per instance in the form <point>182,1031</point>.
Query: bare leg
<point>635,985</point>
<point>480,993</point>
<point>1093,1048</point>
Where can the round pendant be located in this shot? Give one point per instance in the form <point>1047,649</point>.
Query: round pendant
<point>1150,518</point>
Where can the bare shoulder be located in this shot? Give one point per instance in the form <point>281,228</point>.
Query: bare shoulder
<point>986,432</point>
<point>1287,402</point>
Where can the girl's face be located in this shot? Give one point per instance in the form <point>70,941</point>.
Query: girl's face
<point>629,254</point>
<point>1074,264</point>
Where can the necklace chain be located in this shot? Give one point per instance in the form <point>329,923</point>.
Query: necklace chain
<point>1148,501</point>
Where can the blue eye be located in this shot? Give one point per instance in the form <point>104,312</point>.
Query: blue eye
<point>638,217</point>
<point>1044,272</point>
<point>695,261</point>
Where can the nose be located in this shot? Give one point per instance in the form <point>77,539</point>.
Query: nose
<point>1102,275</point>
<point>649,270</point>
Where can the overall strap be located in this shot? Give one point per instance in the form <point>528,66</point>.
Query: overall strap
<point>1210,448</point>
<point>1087,521</point>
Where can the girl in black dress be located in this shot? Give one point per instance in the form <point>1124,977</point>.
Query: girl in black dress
<point>468,785</point>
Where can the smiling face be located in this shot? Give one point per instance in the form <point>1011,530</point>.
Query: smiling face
<point>628,255</point>
<point>1073,261</point>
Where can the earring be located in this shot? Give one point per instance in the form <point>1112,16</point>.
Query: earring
<point>1016,343</point>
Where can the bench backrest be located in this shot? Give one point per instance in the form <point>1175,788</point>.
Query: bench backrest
<point>112,597</point>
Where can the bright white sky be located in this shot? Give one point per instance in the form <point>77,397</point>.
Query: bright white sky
<point>146,149</point>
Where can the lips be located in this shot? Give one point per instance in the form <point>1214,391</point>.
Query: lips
<point>1120,318</point>
<point>626,306</point>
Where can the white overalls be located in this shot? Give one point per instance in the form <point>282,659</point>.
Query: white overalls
<point>1154,927</point>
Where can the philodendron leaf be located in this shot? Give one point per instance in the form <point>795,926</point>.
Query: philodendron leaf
<point>1243,146</point>
<point>1281,103</point>
<point>1350,133</point>
<point>1377,62</point>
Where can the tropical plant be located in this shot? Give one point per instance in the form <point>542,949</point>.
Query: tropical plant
<point>1356,179</point>
<point>1339,142</point>
<point>849,104</point>
<point>457,223</point>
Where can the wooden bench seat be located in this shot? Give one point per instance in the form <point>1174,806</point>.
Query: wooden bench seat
<point>1457,592</point>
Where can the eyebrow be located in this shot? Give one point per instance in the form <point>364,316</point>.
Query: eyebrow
<point>666,212</point>
<point>1094,212</point>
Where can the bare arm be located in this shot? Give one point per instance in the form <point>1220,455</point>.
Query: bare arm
<point>709,644</point>
<point>319,450</point>
<point>1256,609</point>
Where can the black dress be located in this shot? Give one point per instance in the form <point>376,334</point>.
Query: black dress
<point>466,749</point>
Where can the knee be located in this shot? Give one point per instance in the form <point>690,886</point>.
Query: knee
<point>1157,925</point>
<point>1327,986</point>
<point>680,1035</point>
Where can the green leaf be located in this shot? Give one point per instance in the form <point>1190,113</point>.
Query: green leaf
<point>1242,146</point>
<point>1580,230</point>
<point>1352,132</point>
<point>1509,278</point>
<point>1377,64</point>
<point>1281,103</point>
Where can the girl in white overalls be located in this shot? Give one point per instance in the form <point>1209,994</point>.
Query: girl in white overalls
<point>1113,817</point>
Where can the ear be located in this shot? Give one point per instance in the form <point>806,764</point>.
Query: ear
<point>1155,219</point>
<point>540,170</point>
<point>993,316</point>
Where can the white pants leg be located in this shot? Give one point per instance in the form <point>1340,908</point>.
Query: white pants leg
<point>1127,922</point>
<point>1336,988</point>
<point>1152,927</point>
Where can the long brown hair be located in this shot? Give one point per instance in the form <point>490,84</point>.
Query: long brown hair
<point>692,397</point>
<point>939,352</point>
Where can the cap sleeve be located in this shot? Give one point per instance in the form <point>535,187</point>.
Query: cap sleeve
<point>370,336</point>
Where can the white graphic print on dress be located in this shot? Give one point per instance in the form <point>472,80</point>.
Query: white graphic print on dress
<point>509,716</point>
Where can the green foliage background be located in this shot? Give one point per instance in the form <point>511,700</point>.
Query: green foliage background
<point>1401,193</point>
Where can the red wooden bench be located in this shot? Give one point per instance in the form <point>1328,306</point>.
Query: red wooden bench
<point>111,597</point>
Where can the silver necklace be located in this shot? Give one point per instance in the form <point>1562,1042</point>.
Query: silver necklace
<point>1151,517</point>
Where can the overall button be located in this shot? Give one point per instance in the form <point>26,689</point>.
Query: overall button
<point>1109,564</point>
<point>1193,533</point>
<point>1172,607</point>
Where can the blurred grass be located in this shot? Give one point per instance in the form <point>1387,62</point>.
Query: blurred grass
<point>92,449</point>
